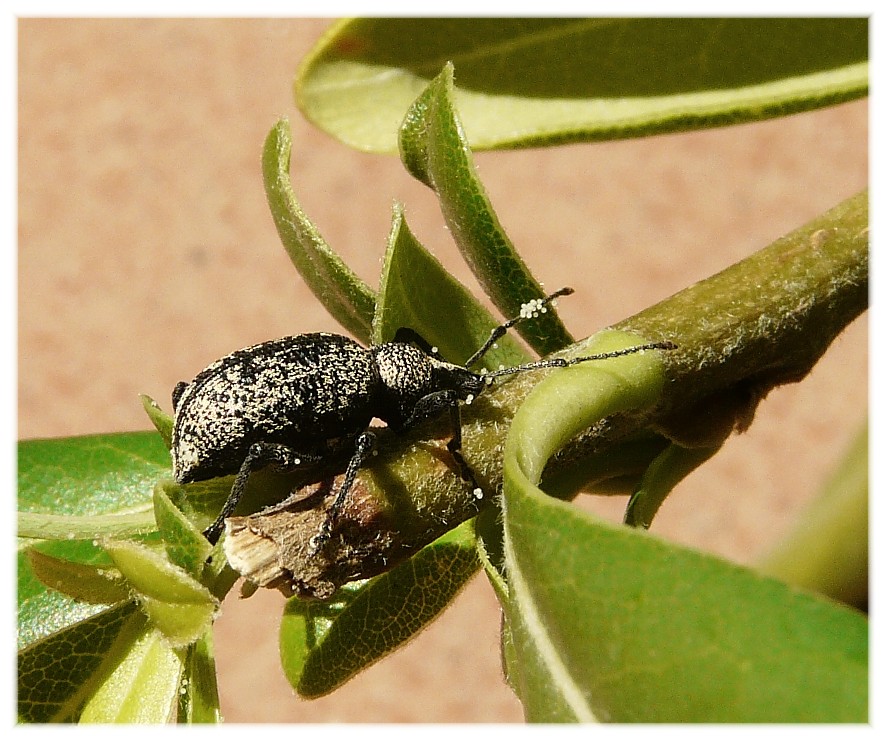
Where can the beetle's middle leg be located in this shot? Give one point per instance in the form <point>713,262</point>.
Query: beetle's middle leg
<point>260,455</point>
<point>363,447</point>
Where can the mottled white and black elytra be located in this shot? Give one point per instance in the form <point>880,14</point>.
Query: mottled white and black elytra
<point>284,403</point>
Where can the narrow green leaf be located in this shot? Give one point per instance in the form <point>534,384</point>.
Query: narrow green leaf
<point>828,551</point>
<point>660,478</point>
<point>416,290</point>
<point>89,583</point>
<point>322,645</point>
<point>55,674</point>
<point>69,527</point>
<point>152,574</point>
<point>610,623</point>
<point>542,81</point>
<point>347,298</point>
<point>433,131</point>
<point>185,544</point>
<point>198,703</point>
<point>143,688</point>
<point>160,419</point>
<point>43,611</point>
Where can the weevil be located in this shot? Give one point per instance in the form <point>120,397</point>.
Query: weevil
<point>290,402</point>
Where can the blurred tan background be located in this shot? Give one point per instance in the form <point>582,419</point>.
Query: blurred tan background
<point>146,251</point>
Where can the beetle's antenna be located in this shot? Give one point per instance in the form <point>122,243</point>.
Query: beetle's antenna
<point>562,362</point>
<point>528,311</point>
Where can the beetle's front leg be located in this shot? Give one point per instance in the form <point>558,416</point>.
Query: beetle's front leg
<point>260,455</point>
<point>454,447</point>
<point>432,405</point>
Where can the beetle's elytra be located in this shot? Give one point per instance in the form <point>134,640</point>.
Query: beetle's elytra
<point>289,401</point>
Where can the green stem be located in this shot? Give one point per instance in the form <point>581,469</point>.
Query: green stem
<point>760,323</point>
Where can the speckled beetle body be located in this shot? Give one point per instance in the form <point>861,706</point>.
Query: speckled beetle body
<point>297,391</point>
<point>285,402</point>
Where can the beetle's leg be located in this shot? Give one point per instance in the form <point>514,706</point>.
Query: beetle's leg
<point>432,405</point>
<point>454,447</point>
<point>260,455</point>
<point>363,447</point>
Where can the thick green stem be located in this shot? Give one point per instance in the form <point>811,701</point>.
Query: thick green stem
<point>762,322</point>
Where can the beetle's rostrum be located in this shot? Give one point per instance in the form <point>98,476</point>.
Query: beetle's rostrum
<point>293,401</point>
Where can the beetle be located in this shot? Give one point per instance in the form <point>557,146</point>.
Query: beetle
<point>291,402</point>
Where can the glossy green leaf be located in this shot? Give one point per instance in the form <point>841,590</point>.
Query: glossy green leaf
<point>415,290</point>
<point>324,644</point>
<point>57,673</point>
<point>542,81</point>
<point>434,148</point>
<point>71,490</point>
<point>611,623</point>
<point>347,298</point>
<point>96,474</point>
<point>142,688</point>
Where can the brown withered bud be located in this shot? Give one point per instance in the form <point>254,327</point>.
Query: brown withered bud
<point>373,532</point>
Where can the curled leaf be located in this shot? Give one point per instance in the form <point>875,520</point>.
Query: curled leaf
<point>607,622</point>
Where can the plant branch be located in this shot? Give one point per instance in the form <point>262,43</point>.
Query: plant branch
<point>760,323</point>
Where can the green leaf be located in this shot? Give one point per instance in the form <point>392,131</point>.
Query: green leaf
<point>542,81</point>
<point>67,526</point>
<point>42,611</point>
<point>828,551</point>
<point>78,487</point>
<point>160,419</point>
<point>416,289</point>
<point>660,478</point>
<point>434,148</point>
<point>324,644</point>
<point>199,696</point>
<point>57,673</point>
<point>610,623</point>
<point>96,474</point>
<point>177,605</point>
<point>185,544</point>
<point>82,582</point>
<point>142,688</point>
<point>347,298</point>
<point>657,633</point>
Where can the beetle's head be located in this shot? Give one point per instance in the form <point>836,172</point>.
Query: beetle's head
<point>408,374</point>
